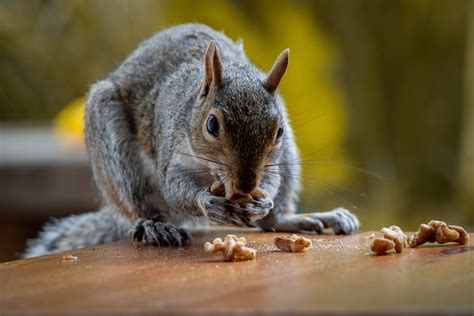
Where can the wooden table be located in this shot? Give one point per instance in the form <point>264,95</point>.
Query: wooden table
<point>337,276</point>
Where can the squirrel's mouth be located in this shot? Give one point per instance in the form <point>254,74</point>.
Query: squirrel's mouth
<point>236,187</point>
<point>226,187</point>
<point>229,187</point>
<point>255,204</point>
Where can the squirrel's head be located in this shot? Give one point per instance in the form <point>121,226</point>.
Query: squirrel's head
<point>238,123</point>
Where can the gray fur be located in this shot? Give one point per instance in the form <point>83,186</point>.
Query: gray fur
<point>68,233</point>
<point>151,159</point>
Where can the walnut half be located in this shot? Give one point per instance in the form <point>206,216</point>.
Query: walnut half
<point>438,231</point>
<point>393,238</point>
<point>381,245</point>
<point>232,247</point>
<point>293,243</point>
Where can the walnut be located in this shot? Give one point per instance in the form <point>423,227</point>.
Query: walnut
<point>233,248</point>
<point>293,243</point>
<point>218,189</point>
<point>438,231</point>
<point>393,238</point>
<point>257,197</point>
<point>381,245</point>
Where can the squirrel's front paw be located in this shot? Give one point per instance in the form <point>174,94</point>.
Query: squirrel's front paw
<point>159,234</point>
<point>225,211</point>
<point>255,210</point>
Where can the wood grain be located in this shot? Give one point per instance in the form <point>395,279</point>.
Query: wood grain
<point>338,275</point>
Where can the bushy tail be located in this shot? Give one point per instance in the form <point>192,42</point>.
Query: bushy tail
<point>79,231</point>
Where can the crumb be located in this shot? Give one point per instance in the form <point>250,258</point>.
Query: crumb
<point>69,258</point>
<point>371,236</point>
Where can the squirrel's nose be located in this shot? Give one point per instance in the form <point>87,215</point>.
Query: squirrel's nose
<point>246,186</point>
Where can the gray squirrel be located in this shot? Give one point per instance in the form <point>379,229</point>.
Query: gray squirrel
<point>185,109</point>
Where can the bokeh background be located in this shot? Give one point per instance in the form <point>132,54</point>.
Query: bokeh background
<point>379,92</point>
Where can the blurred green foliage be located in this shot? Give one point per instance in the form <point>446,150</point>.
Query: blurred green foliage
<point>378,91</point>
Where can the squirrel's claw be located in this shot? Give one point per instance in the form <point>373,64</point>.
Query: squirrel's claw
<point>253,212</point>
<point>159,234</point>
<point>138,231</point>
<point>264,203</point>
<point>224,211</point>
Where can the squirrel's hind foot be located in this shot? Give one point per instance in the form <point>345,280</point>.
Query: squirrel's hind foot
<point>159,234</point>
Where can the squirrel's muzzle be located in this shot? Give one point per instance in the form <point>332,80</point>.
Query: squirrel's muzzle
<point>246,182</point>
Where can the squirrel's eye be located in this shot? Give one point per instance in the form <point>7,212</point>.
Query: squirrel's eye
<point>279,134</point>
<point>212,125</point>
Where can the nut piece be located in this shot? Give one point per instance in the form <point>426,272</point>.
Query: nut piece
<point>463,234</point>
<point>381,245</point>
<point>233,248</point>
<point>393,237</point>
<point>440,232</point>
<point>293,243</point>
<point>396,234</point>
<point>255,204</point>
<point>241,198</point>
<point>218,189</point>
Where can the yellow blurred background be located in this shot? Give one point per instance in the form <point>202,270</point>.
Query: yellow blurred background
<point>379,93</point>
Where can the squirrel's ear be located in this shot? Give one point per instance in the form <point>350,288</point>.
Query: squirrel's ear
<point>278,70</point>
<point>208,66</point>
<point>213,73</point>
<point>218,72</point>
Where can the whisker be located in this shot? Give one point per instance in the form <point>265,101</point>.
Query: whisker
<point>203,158</point>
<point>328,162</point>
<point>327,190</point>
<point>333,184</point>
<point>302,157</point>
<point>305,120</point>
<point>211,181</point>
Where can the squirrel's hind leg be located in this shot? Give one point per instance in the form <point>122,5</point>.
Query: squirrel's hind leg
<point>340,220</point>
<point>159,233</point>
